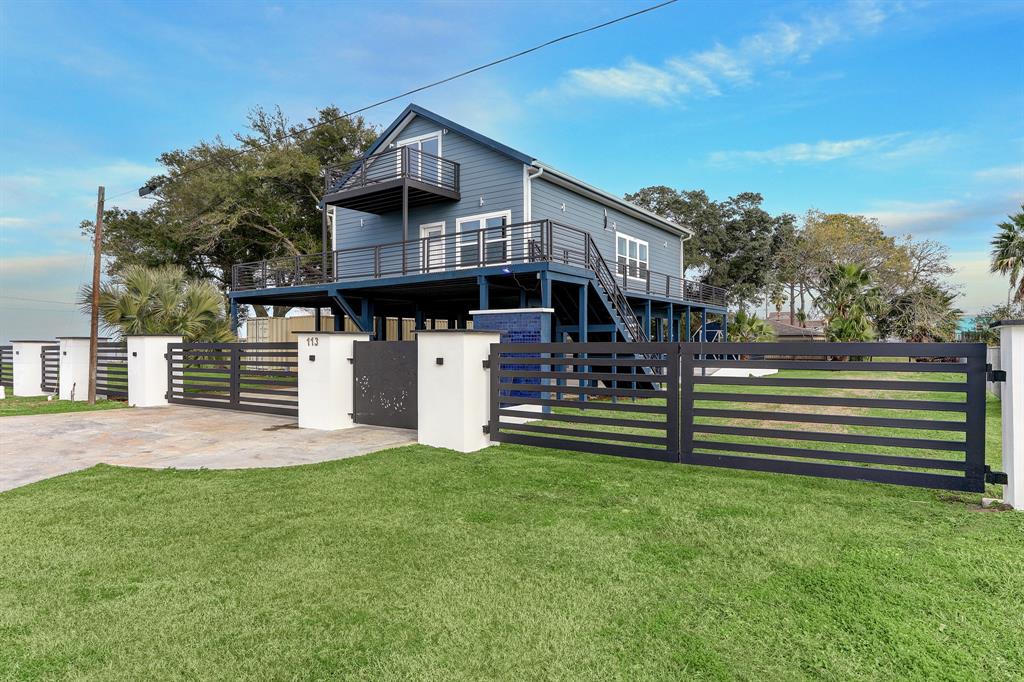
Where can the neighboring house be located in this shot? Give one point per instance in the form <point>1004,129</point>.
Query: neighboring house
<point>788,332</point>
<point>436,221</point>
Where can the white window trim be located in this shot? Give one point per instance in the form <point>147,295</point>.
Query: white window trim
<point>425,256</point>
<point>630,238</point>
<point>506,214</point>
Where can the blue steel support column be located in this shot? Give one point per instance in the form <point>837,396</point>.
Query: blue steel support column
<point>703,336</point>
<point>522,298</point>
<point>481,283</point>
<point>725,326</point>
<point>687,324</point>
<point>581,335</point>
<point>545,289</point>
<point>234,317</point>
<point>647,318</point>
<point>672,332</point>
<point>318,320</point>
<point>339,321</point>
<point>419,318</point>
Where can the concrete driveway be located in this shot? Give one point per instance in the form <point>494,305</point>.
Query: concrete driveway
<point>40,446</point>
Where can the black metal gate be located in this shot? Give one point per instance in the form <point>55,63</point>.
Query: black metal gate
<point>112,369</point>
<point>255,377</point>
<point>7,366</point>
<point>820,415</point>
<point>49,358</point>
<point>385,383</point>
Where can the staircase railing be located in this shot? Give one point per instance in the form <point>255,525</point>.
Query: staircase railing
<point>597,264</point>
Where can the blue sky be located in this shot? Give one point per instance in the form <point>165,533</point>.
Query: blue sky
<point>907,111</point>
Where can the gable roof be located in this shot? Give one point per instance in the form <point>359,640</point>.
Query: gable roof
<point>783,329</point>
<point>394,130</point>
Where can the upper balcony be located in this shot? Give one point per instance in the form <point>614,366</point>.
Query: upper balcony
<point>377,183</point>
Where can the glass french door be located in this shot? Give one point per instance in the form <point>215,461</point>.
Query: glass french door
<point>433,246</point>
<point>424,158</point>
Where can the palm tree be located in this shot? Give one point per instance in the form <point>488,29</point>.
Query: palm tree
<point>1008,254</point>
<point>750,328</point>
<point>161,301</point>
<point>850,302</point>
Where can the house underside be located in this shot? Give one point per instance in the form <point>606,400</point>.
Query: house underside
<point>581,308</point>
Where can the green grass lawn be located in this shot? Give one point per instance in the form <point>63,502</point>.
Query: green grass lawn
<point>509,563</point>
<point>13,406</point>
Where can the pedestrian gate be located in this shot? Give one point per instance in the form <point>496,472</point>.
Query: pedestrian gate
<point>385,383</point>
<point>858,411</point>
<point>49,360</point>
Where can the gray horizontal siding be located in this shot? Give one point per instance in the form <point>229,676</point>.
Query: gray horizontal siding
<point>484,173</point>
<point>588,215</point>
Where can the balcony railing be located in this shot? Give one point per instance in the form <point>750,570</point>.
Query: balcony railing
<point>533,242</point>
<point>400,163</point>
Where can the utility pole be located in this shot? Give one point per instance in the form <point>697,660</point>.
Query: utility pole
<point>94,322</point>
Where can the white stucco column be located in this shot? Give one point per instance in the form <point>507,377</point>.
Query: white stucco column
<point>147,369</point>
<point>74,367</point>
<point>1011,344</point>
<point>326,376</point>
<point>453,388</point>
<point>28,367</point>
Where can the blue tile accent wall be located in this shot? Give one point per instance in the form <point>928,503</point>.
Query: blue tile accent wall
<point>529,327</point>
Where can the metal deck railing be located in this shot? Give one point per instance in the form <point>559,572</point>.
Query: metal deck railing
<point>531,242</point>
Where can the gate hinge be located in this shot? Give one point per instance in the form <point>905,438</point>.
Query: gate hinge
<point>487,428</point>
<point>997,477</point>
<point>486,364</point>
<point>997,375</point>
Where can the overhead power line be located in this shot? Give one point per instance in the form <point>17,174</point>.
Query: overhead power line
<point>568,36</point>
<point>37,300</point>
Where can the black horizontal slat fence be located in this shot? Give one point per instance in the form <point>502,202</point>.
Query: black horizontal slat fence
<point>49,358</point>
<point>254,377</point>
<point>112,369</point>
<point>580,396</point>
<point>821,415</point>
<point>7,366</point>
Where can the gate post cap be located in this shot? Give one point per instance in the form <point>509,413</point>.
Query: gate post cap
<point>1006,323</point>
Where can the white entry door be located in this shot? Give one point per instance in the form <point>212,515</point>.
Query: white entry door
<point>433,247</point>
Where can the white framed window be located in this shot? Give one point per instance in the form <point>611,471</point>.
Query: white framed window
<point>632,256</point>
<point>424,166</point>
<point>483,239</point>
<point>432,249</point>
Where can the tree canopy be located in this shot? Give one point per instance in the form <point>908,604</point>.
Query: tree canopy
<point>734,242</point>
<point>215,206</point>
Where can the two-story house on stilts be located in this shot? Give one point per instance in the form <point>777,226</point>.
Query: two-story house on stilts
<point>438,222</point>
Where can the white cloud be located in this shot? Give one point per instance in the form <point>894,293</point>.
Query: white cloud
<point>942,215</point>
<point>804,152</point>
<point>709,71</point>
<point>1002,174</point>
<point>890,148</point>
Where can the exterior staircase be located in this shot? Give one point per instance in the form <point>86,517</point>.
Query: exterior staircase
<point>612,296</point>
